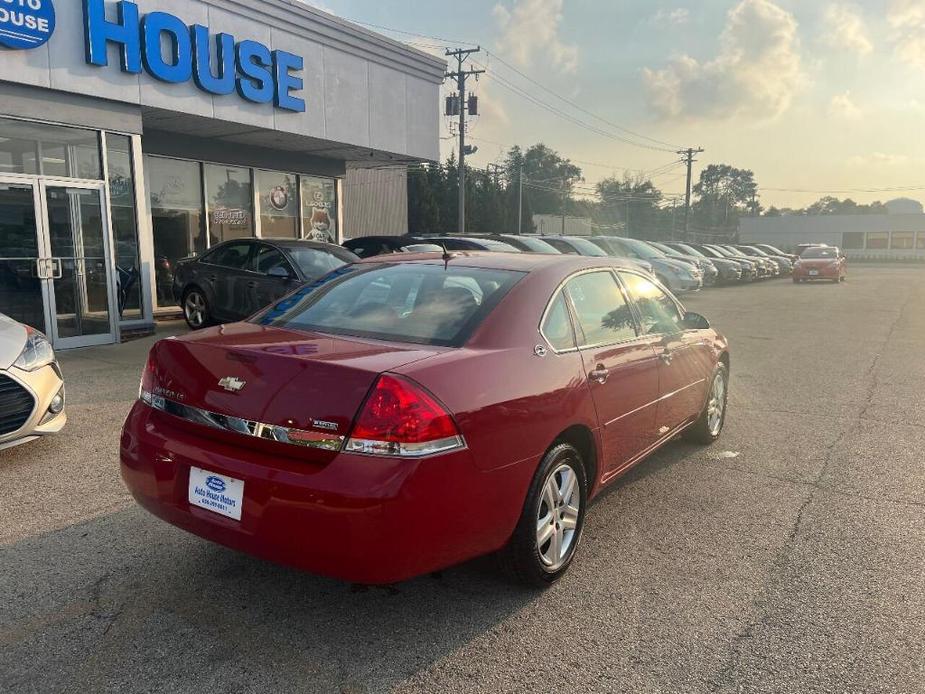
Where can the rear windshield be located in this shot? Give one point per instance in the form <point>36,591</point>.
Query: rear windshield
<point>317,263</point>
<point>820,253</point>
<point>421,303</point>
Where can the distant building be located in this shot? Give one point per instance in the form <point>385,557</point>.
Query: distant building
<point>868,236</point>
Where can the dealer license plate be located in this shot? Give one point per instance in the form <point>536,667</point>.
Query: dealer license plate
<point>813,273</point>
<point>216,493</point>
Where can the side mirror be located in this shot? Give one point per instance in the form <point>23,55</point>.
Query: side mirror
<point>279,272</point>
<point>694,321</point>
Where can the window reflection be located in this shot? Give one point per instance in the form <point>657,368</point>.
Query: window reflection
<point>601,309</point>
<point>279,205</point>
<point>124,225</point>
<point>657,312</point>
<point>319,208</point>
<point>231,200</point>
<point>175,189</point>
<point>49,150</point>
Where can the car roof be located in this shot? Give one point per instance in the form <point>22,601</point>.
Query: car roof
<point>520,262</point>
<point>298,243</point>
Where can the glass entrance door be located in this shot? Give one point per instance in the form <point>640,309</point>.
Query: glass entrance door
<point>55,267</point>
<point>80,293</point>
<point>22,264</point>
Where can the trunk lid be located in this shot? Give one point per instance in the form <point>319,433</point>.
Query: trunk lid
<point>307,381</point>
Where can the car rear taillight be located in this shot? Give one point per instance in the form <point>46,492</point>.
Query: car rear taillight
<point>146,386</point>
<point>400,418</point>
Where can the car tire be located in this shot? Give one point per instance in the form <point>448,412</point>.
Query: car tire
<point>196,309</point>
<point>527,558</point>
<point>707,428</point>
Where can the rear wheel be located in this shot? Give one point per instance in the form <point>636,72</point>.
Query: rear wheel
<point>547,535</point>
<point>196,309</point>
<point>710,424</point>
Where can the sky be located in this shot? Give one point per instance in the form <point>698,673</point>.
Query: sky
<point>814,96</point>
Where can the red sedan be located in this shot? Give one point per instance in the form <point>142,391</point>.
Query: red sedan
<point>820,263</point>
<point>402,415</point>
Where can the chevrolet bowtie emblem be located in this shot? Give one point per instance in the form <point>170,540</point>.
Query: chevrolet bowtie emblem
<point>232,384</point>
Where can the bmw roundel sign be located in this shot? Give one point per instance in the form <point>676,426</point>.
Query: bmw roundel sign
<point>26,23</point>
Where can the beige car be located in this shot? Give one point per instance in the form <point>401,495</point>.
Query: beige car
<point>31,385</point>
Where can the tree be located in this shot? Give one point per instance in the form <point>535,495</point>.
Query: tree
<point>828,205</point>
<point>633,201</point>
<point>550,177</point>
<point>724,194</point>
<point>423,188</point>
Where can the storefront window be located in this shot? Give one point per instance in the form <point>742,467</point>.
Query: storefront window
<point>177,218</point>
<point>852,240</point>
<point>230,197</point>
<point>920,240</point>
<point>49,150</point>
<point>279,205</point>
<point>878,240</point>
<point>124,225</point>
<point>319,208</point>
<point>902,240</point>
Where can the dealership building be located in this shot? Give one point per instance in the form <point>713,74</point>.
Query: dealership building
<point>133,134</point>
<point>897,235</point>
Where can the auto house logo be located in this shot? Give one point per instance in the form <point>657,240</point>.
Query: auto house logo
<point>26,24</point>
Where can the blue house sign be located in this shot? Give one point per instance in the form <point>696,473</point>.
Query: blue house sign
<point>218,64</point>
<point>26,23</point>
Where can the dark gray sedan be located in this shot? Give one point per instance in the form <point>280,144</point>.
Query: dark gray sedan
<point>237,278</point>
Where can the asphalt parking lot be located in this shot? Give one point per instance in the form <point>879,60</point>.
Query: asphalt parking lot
<point>789,557</point>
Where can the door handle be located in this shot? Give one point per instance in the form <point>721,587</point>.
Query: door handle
<point>666,358</point>
<point>252,284</point>
<point>599,374</point>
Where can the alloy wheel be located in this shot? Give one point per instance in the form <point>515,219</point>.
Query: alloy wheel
<point>557,517</point>
<point>195,309</point>
<point>717,404</point>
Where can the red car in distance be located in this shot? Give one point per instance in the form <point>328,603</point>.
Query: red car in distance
<point>405,414</point>
<point>820,263</point>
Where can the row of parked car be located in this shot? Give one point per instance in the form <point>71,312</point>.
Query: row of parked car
<point>681,267</point>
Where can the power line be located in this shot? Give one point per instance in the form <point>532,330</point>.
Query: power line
<point>577,107</point>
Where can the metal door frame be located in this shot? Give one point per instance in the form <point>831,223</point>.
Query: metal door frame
<point>44,263</point>
<point>112,336</point>
<point>41,240</point>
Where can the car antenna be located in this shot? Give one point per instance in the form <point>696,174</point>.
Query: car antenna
<point>446,256</point>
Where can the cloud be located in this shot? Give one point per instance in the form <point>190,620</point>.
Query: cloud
<point>847,30</point>
<point>878,159</point>
<point>842,106</point>
<point>907,18</point>
<point>757,71</point>
<point>530,28</point>
<point>675,17</point>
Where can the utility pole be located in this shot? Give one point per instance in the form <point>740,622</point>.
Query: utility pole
<point>520,197</point>
<point>460,76</point>
<point>688,155</point>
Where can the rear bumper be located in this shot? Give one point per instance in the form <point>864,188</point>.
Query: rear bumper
<point>357,518</point>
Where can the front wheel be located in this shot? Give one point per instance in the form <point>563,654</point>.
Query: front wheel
<point>196,309</point>
<point>709,425</point>
<point>549,530</point>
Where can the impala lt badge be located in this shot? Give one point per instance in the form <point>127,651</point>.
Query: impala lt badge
<point>232,384</point>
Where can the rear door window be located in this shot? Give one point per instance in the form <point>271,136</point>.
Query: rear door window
<point>557,326</point>
<point>405,302</point>
<point>233,255</point>
<point>603,314</point>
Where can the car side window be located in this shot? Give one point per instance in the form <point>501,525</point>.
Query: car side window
<point>658,313</point>
<point>557,327</point>
<point>603,314</point>
<point>266,258</point>
<point>233,256</point>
